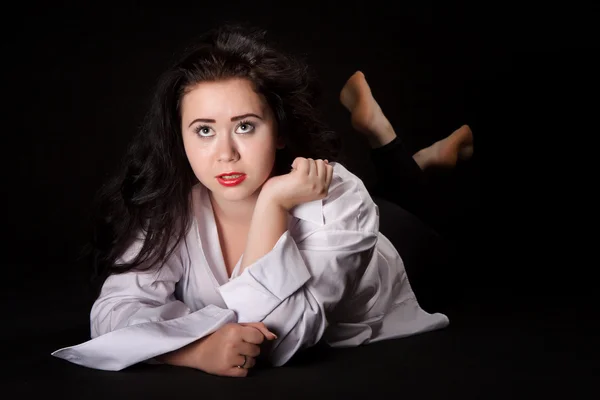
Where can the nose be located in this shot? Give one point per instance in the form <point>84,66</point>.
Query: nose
<point>226,149</point>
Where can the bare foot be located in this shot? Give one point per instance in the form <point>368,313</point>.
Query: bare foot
<point>367,116</point>
<point>447,152</point>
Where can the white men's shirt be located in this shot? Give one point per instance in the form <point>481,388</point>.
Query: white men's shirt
<point>331,276</point>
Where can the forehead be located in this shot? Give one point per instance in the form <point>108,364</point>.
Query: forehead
<point>221,99</point>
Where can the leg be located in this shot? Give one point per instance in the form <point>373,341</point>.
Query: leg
<point>400,180</point>
<point>368,119</point>
<point>426,254</point>
<point>447,152</point>
<point>367,116</point>
<point>400,175</point>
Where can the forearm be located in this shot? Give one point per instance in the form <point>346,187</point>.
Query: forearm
<point>269,222</point>
<point>179,358</point>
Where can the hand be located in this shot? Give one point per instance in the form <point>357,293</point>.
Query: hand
<point>221,352</point>
<point>309,180</point>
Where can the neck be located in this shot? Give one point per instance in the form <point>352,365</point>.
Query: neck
<point>234,212</point>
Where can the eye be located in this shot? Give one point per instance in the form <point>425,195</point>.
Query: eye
<point>202,131</point>
<point>245,127</point>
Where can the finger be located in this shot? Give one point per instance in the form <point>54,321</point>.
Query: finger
<point>329,176</point>
<point>248,349</point>
<point>239,362</point>
<point>322,170</point>
<point>252,335</point>
<point>238,372</point>
<point>300,164</point>
<point>304,166</point>
<point>295,163</point>
<point>312,167</point>
<point>260,329</point>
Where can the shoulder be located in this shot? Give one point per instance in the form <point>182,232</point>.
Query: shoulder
<point>152,265</point>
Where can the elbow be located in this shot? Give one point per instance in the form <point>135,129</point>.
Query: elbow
<point>100,319</point>
<point>107,316</point>
<point>305,329</point>
<point>296,341</point>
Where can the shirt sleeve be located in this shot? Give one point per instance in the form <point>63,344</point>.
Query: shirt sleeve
<point>137,317</point>
<point>293,287</point>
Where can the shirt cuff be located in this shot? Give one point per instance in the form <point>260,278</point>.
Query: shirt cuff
<point>266,283</point>
<point>127,346</point>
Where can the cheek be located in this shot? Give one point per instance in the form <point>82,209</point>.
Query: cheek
<point>263,152</point>
<point>196,157</point>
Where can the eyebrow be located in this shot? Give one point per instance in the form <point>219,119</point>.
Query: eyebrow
<point>237,118</point>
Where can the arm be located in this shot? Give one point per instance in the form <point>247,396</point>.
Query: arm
<point>269,222</point>
<point>136,318</point>
<point>294,285</point>
<point>309,180</point>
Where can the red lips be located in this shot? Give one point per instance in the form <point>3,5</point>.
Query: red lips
<point>231,181</point>
<point>230,173</point>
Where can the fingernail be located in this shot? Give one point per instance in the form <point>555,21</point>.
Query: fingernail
<point>274,335</point>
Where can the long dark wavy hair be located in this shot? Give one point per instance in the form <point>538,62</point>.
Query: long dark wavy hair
<point>150,195</point>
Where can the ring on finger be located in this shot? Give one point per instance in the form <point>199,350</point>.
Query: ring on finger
<point>245,361</point>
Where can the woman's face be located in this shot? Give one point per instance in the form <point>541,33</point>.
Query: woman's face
<point>229,128</point>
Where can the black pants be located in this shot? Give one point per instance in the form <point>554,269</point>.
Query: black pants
<point>406,213</point>
<point>400,180</point>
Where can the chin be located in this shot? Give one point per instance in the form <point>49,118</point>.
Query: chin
<point>234,193</point>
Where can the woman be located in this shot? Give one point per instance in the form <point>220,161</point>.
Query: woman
<point>211,251</point>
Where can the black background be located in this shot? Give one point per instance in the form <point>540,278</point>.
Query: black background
<point>525,80</point>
